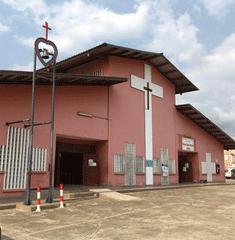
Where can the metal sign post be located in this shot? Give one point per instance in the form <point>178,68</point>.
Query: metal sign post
<point>28,200</point>
<point>49,198</point>
<point>42,55</point>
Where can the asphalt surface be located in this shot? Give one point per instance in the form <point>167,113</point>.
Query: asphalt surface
<point>178,214</point>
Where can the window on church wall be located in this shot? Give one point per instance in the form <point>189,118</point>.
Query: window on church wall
<point>119,163</point>
<point>140,164</point>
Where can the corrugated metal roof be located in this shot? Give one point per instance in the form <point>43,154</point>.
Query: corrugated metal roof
<point>62,79</point>
<point>203,122</point>
<point>158,60</point>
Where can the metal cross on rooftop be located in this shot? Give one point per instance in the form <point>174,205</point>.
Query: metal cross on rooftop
<point>47,28</point>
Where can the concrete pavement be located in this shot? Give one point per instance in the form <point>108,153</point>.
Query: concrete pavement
<point>181,213</point>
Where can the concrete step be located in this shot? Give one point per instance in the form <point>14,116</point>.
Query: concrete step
<point>80,195</point>
<point>33,207</point>
<point>7,206</point>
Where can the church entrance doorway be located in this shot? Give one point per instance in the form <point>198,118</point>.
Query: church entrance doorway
<point>188,168</point>
<point>71,169</point>
<point>77,162</point>
<point>185,169</point>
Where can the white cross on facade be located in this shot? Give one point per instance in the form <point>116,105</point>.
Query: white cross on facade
<point>208,167</point>
<point>149,89</point>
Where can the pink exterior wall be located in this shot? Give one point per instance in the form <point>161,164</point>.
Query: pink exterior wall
<point>164,122</point>
<point>39,179</point>
<point>126,120</point>
<point>70,100</point>
<point>118,113</point>
<point>126,115</point>
<point>16,105</point>
<point>102,152</point>
<point>204,144</point>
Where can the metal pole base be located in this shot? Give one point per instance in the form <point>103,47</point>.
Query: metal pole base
<point>49,200</point>
<point>27,202</point>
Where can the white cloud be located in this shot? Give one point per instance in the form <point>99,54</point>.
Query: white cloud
<point>225,115</point>
<point>36,8</point>
<point>28,67</point>
<point>4,28</point>
<point>217,67</point>
<point>218,8</point>
<point>215,76</point>
<point>226,119</point>
<point>77,24</point>
<point>196,9</point>
<point>29,42</point>
<point>176,37</point>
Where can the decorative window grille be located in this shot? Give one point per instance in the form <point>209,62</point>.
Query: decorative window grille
<point>14,158</point>
<point>39,159</point>
<point>119,163</point>
<point>2,154</point>
<point>140,164</point>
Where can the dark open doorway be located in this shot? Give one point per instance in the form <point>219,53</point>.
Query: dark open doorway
<point>71,165</point>
<point>185,168</point>
<point>77,162</point>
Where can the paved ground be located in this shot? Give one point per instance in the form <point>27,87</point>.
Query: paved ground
<point>185,213</point>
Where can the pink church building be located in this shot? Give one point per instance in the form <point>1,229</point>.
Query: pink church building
<point>116,123</point>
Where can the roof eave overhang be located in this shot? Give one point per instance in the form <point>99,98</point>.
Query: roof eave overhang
<point>207,125</point>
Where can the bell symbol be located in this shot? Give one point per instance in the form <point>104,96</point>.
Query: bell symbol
<point>45,53</point>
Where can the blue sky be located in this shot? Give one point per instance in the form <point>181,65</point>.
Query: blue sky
<point>198,36</point>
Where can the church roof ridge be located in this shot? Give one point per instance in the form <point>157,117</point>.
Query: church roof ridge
<point>158,60</point>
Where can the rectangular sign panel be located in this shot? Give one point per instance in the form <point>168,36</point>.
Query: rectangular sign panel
<point>188,144</point>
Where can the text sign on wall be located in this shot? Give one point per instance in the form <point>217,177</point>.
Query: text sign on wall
<point>188,144</point>
<point>91,163</point>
